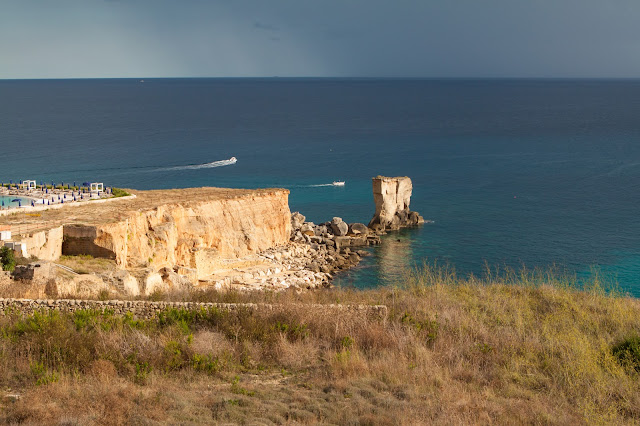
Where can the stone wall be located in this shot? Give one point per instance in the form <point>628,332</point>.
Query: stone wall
<point>146,309</point>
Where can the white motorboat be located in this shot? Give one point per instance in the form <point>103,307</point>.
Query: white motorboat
<point>338,183</point>
<point>233,160</point>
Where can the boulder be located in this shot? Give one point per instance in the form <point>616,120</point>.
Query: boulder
<point>307,229</point>
<point>414,218</point>
<point>321,230</point>
<point>37,271</point>
<point>358,228</point>
<point>297,219</point>
<point>342,242</point>
<point>339,227</point>
<point>317,240</point>
<point>326,269</point>
<point>394,225</point>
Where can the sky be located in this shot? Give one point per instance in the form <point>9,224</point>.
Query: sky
<point>320,38</point>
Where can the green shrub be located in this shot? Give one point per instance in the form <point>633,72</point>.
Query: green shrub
<point>206,363</point>
<point>423,325</point>
<point>7,259</point>
<point>628,352</point>
<point>347,342</point>
<point>292,330</point>
<point>143,369</point>
<point>117,192</point>
<point>239,390</point>
<point>42,375</point>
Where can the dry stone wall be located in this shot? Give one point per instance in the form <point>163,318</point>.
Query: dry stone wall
<point>146,309</point>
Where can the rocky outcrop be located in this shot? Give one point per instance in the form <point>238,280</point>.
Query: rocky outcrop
<point>45,245</point>
<point>165,247</point>
<point>392,197</point>
<point>213,238</point>
<point>37,271</point>
<point>332,246</point>
<point>199,235</point>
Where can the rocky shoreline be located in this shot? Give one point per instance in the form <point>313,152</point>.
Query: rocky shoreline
<point>318,251</point>
<point>309,258</point>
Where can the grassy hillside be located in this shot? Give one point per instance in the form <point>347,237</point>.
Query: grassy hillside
<point>452,351</point>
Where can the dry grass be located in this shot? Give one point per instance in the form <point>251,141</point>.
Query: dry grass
<point>453,351</point>
<point>86,264</point>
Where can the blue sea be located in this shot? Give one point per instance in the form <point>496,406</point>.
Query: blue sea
<point>513,173</point>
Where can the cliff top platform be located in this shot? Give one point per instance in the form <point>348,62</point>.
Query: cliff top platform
<point>94,213</point>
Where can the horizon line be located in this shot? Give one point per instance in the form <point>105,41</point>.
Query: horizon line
<point>316,78</point>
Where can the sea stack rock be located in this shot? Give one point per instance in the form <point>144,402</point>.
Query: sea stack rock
<point>392,196</point>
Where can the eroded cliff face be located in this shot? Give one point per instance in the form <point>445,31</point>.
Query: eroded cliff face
<point>46,245</point>
<point>198,235</point>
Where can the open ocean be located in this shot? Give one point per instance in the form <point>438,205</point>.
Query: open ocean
<point>512,172</point>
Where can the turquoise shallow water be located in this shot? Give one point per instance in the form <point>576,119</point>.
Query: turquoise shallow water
<point>8,202</point>
<point>512,172</point>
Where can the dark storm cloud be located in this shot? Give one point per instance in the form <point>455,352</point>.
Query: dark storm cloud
<point>419,38</point>
<point>266,27</point>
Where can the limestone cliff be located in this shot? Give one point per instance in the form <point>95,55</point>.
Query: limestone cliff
<point>198,235</point>
<point>46,244</point>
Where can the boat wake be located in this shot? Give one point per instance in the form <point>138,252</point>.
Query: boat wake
<point>335,183</point>
<point>155,169</point>
<point>211,165</point>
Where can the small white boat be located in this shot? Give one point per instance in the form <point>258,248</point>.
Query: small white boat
<point>338,183</point>
<point>233,160</point>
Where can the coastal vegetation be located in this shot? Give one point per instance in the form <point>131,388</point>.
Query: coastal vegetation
<point>119,192</point>
<point>523,347</point>
<point>7,259</point>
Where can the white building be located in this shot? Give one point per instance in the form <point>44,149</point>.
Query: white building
<point>29,185</point>
<point>97,187</point>
<point>5,233</point>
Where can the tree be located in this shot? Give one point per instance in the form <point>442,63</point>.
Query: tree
<point>7,259</point>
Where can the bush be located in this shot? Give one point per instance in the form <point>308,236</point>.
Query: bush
<point>7,259</point>
<point>628,352</point>
<point>117,192</point>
